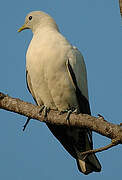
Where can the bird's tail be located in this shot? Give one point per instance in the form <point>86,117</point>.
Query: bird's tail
<point>87,163</point>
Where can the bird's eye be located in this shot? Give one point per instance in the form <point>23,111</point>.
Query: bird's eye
<point>30,17</point>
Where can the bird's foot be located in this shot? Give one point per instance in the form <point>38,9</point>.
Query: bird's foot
<point>45,110</point>
<point>42,108</point>
<point>69,112</point>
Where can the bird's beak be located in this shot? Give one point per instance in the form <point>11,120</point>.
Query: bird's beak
<point>22,28</point>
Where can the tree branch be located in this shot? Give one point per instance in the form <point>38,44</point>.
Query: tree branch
<point>112,144</point>
<point>97,124</point>
<point>120,6</point>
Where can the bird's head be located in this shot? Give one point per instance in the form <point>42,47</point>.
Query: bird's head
<point>37,19</point>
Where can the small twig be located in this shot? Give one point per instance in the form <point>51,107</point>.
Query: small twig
<point>113,143</point>
<point>25,125</point>
<point>100,116</point>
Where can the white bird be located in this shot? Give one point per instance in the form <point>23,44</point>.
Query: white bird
<point>57,79</point>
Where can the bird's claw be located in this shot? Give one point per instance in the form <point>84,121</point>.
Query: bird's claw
<point>69,112</point>
<point>45,110</point>
<point>68,115</point>
<point>42,108</point>
<point>62,112</point>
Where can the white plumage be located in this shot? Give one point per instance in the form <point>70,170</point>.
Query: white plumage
<point>57,79</point>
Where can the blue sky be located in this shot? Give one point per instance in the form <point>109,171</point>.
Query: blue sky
<point>95,27</point>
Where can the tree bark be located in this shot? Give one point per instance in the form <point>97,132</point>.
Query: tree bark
<point>120,5</point>
<point>97,124</point>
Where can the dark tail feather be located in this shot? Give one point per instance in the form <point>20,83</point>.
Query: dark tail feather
<point>89,164</point>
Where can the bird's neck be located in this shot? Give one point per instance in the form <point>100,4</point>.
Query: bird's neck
<point>45,27</point>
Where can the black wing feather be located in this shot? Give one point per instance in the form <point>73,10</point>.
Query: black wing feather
<point>82,101</point>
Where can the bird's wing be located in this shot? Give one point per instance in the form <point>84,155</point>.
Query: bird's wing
<point>77,72</point>
<point>78,75</point>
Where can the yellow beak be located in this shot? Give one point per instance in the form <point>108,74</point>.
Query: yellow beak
<point>22,28</point>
